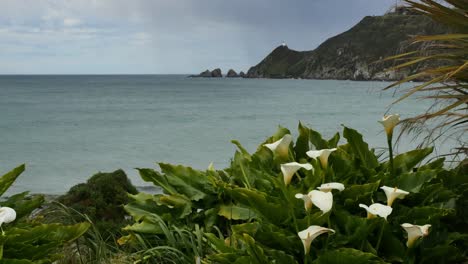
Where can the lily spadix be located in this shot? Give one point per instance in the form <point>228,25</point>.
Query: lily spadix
<point>393,193</point>
<point>288,170</point>
<point>327,187</point>
<point>322,155</point>
<point>377,209</point>
<point>309,234</point>
<point>7,215</point>
<point>281,147</point>
<point>389,122</point>
<point>415,232</point>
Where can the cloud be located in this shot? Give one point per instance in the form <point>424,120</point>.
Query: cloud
<point>183,36</point>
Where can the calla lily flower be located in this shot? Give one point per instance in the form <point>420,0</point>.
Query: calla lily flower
<point>281,146</point>
<point>322,155</point>
<point>323,200</point>
<point>415,232</point>
<point>393,193</point>
<point>307,201</point>
<point>377,209</point>
<point>288,170</point>
<point>389,122</point>
<point>309,234</point>
<point>327,187</point>
<point>7,215</point>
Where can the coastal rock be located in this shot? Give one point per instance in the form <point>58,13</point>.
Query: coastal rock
<point>216,73</point>
<point>242,74</point>
<point>206,73</point>
<point>232,74</point>
<point>355,54</point>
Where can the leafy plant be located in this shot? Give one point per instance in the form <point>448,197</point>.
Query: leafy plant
<point>249,212</point>
<point>27,240</point>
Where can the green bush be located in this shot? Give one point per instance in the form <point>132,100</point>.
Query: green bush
<point>249,213</point>
<point>102,198</point>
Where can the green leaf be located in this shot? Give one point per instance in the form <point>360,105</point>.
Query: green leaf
<point>150,175</point>
<point>302,142</point>
<point>359,148</point>
<point>8,179</point>
<point>405,162</point>
<point>267,206</point>
<point>412,182</point>
<point>355,194</point>
<point>244,152</point>
<point>236,212</point>
<point>346,256</point>
<point>186,180</point>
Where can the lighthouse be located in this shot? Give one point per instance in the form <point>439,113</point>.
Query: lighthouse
<point>283,44</point>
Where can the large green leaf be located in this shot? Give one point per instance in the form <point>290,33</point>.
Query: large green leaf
<point>236,212</point>
<point>267,206</point>
<point>302,142</point>
<point>192,183</point>
<point>412,182</point>
<point>405,162</point>
<point>8,179</point>
<point>346,256</point>
<point>359,148</point>
<point>355,194</point>
<point>41,241</point>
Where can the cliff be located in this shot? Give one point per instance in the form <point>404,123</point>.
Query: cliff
<point>354,54</point>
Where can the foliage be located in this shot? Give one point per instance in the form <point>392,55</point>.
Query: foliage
<point>101,199</point>
<point>27,240</point>
<point>246,213</point>
<point>446,83</point>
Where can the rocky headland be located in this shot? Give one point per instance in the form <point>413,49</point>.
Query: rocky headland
<point>356,54</point>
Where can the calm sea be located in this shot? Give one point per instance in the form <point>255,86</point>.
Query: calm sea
<point>66,128</point>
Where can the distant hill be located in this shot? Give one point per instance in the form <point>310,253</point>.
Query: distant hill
<point>354,54</point>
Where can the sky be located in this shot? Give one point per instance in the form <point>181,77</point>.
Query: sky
<point>164,36</point>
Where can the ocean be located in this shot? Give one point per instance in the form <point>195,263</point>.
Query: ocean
<point>67,128</point>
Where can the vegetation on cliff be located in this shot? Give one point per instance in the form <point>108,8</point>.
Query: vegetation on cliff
<point>354,54</point>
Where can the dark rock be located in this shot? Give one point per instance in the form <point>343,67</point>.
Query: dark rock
<point>216,73</point>
<point>232,74</point>
<point>205,74</point>
<point>353,54</point>
<point>242,74</point>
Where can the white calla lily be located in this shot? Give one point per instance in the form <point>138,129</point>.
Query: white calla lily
<point>7,215</point>
<point>309,234</point>
<point>393,193</point>
<point>322,155</point>
<point>389,122</point>
<point>415,232</point>
<point>288,170</point>
<point>307,201</point>
<point>327,187</point>
<point>323,200</point>
<point>377,209</point>
<point>281,146</point>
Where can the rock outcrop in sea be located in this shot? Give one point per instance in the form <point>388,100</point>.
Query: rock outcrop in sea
<point>216,73</point>
<point>232,74</point>
<point>355,54</point>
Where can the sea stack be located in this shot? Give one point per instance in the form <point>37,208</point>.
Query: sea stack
<point>232,74</point>
<point>216,73</point>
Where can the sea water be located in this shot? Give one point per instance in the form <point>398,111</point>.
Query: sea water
<point>67,128</point>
